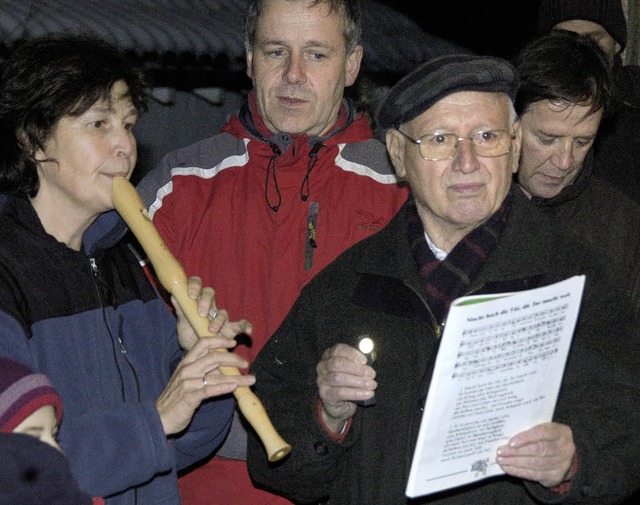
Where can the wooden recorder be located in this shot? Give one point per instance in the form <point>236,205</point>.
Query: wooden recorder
<point>172,276</point>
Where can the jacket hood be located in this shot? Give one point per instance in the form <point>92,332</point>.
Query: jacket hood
<point>250,118</point>
<point>298,146</point>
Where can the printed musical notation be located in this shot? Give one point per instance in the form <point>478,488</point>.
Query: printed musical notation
<point>509,344</point>
<point>498,372</point>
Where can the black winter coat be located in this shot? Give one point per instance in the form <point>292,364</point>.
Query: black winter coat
<point>597,213</point>
<point>375,287</point>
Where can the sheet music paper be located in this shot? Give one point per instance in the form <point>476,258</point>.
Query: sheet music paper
<point>498,372</point>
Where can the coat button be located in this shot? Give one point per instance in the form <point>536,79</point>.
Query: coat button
<point>321,448</point>
<point>586,491</point>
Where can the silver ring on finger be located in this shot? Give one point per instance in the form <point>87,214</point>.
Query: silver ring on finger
<point>204,381</point>
<point>213,313</point>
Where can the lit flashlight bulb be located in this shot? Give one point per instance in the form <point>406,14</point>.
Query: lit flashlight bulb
<point>366,346</point>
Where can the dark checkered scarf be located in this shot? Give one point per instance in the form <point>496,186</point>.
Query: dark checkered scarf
<point>446,280</point>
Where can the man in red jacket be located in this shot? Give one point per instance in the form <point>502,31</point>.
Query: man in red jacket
<point>290,182</point>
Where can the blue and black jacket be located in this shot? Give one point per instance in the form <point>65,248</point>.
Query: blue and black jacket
<point>95,325</point>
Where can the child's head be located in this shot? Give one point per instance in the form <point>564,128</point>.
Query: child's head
<point>34,473</point>
<point>28,402</point>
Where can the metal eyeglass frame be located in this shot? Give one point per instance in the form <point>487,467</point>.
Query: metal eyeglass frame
<point>418,141</point>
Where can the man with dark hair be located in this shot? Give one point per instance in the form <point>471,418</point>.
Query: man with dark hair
<point>565,91</point>
<point>617,147</point>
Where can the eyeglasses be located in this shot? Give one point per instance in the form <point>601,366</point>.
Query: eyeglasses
<point>443,146</point>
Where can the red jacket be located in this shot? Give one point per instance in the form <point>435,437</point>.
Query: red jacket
<point>208,202</point>
<point>256,216</point>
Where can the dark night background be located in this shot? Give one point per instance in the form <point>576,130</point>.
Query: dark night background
<point>209,56</point>
<point>496,27</point>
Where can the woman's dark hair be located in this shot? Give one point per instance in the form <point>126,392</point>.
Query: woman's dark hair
<point>45,79</point>
<point>564,67</point>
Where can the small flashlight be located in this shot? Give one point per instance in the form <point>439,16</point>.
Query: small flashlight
<point>367,347</point>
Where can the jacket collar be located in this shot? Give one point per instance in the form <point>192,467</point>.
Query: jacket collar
<point>104,232</point>
<point>519,261</point>
<point>251,120</point>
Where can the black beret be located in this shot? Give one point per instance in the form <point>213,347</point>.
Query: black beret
<point>441,76</point>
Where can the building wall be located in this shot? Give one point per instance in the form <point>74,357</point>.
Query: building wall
<point>179,120</point>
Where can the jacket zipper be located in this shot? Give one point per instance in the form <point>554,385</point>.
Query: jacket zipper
<point>438,326</point>
<point>96,276</point>
<point>123,349</point>
<point>114,338</point>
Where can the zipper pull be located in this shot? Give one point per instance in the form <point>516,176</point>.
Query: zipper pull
<point>123,349</point>
<point>310,237</point>
<point>94,266</point>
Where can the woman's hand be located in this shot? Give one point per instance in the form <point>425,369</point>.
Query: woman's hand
<point>197,378</point>
<point>218,319</point>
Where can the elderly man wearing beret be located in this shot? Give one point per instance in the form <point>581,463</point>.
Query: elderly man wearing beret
<point>452,133</point>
